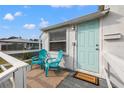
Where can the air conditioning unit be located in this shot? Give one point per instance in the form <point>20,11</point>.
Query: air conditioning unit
<point>106,7</point>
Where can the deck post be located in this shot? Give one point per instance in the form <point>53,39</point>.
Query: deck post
<point>40,42</point>
<point>108,68</point>
<point>25,46</point>
<point>20,78</point>
<point>0,47</point>
<point>24,77</point>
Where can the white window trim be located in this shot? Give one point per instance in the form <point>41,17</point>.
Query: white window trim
<point>57,41</point>
<point>62,29</point>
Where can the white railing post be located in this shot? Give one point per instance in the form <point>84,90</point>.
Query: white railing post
<point>39,42</point>
<point>0,47</point>
<point>11,78</point>
<point>107,78</point>
<point>117,65</point>
<point>17,71</point>
<point>108,68</point>
<point>20,78</point>
<point>107,75</point>
<point>24,77</point>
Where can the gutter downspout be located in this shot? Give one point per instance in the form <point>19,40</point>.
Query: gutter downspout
<point>40,40</point>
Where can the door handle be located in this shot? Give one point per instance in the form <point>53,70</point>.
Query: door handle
<point>97,44</point>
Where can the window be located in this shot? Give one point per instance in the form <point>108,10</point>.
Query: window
<point>57,40</point>
<point>12,46</point>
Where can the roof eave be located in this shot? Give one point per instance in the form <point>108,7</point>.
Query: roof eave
<point>78,20</point>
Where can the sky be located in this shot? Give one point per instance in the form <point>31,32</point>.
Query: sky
<point>26,21</point>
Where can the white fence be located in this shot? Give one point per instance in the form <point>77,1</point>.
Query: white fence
<point>16,74</point>
<point>116,63</point>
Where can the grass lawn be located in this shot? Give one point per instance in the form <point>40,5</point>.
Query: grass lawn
<point>1,70</point>
<point>29,62</point>
<point>2,61</point>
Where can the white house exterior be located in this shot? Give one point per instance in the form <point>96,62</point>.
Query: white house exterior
<point>113,23</point>
<point>104,30</point>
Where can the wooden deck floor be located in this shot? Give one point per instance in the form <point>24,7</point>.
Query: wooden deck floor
<point>63,80</point>
<point>36,78</point>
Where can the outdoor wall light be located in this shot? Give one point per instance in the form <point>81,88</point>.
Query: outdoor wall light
<point>73,27</point>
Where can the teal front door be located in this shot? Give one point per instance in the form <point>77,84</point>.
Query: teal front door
<point>88,46</point>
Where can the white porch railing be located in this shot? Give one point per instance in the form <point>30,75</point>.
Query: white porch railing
<point>116,63</point>
<point>20,51</point>
<point>17,73</point>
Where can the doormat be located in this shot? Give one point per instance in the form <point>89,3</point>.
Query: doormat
<point>87,77</point>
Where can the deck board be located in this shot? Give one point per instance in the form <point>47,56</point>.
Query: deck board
<point>37,79</point>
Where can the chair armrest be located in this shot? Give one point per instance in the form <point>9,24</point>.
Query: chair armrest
<point>55,64</point>
<point>34,58</point>
<point>49,59</point>
<point>48,64</point>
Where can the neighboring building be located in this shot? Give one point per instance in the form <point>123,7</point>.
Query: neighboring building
<point>85,39</point>
<point>14,43</point>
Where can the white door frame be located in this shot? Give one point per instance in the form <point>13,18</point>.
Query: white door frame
<point>100,51</point>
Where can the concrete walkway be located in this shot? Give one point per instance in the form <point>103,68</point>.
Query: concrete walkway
<point>71,82</point>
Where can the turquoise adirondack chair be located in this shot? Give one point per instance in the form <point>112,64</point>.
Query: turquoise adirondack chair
<point>40,60</point>
<point>53,62</point>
